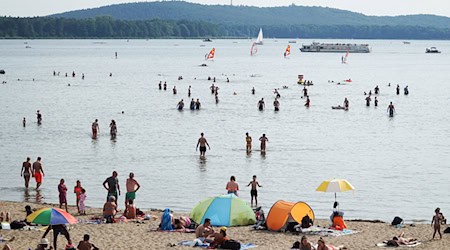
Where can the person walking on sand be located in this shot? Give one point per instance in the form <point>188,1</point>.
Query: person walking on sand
<point>436,222</point>
<point>248,140</point>
<point>113,186</point>
<point>391,110</point>
<point>26,171</point>
<point>202,142</point>
<point>132,187</point>
<point>232,186</point>
<point>263,139</point>
<point>38,172</point>
<point>62,189</point>
<point>95,129</point>
<point>77,191</point>
<point>254,191</point>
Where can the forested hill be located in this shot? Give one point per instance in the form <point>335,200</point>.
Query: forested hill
<point>246,15</point>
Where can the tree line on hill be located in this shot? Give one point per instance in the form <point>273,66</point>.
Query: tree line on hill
<point>107,27</point>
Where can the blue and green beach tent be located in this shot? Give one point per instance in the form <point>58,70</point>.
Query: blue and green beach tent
<point>224,210</point>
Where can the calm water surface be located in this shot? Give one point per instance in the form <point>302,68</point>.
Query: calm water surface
<point>399,166</point>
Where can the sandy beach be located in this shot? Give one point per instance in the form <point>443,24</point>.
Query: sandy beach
<point>132,235</point>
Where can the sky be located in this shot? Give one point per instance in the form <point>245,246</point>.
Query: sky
<point>368,7</point>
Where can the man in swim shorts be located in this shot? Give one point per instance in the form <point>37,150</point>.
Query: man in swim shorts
<point>254,191</point>
<point>202,143</point>
<point>38,172</point>
<point>132,187</point>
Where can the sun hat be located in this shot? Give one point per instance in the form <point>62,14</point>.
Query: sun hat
<point>44,241</point>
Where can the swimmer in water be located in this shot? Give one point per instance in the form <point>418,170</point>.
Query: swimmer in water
<point>377,90</point>
<point>305,91</point>
<point>174,90</point>
<point>24,122</point>
<point>391,109</point>
<point>263,139</point>
<point>189,91</point>
<point>192,105</point>
<point>180,105</point>
<point>376,102</point>
<point>202,142</point>
<point>160,85</point>
<point>346,103</point>
<point>308,102</point>
<point>406,91</point>
<point>165,86</point>
<point>213,89</point>
<point>197,105</point>
<point>95,129</point>
<point>39,117</point>
<point>368,100</point>
<point>248,140</point>
<point>398,89</point>
<point>261,104</point>
<point>113,129</point>
<point>276,104</point>
<point>253,90</point>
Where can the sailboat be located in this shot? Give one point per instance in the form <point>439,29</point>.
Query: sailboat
<point>210,55</point>
<point>259,40</point>
<point>254,49</point>
<point>287,52</point>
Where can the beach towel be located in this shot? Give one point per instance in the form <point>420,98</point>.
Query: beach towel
<point>198,243</point>
<point>166,221</point>
<point>320,231</point>
<point>384,244</point>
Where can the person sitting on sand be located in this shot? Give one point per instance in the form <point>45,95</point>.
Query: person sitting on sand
<point>44,244</point>
<point>110,209</point>
<point>220,237</point>
<point>304,244</point>
<point>167,220</point>
<point>85,244</point>
<point>204,231</point>
<point>130,212</point>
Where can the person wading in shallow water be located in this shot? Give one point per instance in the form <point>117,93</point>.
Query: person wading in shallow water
<point>202,142</point>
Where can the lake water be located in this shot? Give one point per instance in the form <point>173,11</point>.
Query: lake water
<point>399,166</point>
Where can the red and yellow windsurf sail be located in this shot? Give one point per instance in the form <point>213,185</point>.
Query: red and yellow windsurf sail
<point>287,52</point>
<point>210,55</point>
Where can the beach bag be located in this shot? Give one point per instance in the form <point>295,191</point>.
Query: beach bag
<point>447,230</point>
<point>291,226</point>
<point>166,221</point>
<point>17,225</point>
<point>392,243</point>
<point>231,244</point>
<point>397,220</point>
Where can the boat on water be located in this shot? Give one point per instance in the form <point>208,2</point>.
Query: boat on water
<point>207,40</point>
<point>336,47</point>
<point>406,42</point>
<point>259,39</point>
<point>292,41</point>
<point>432,50</point>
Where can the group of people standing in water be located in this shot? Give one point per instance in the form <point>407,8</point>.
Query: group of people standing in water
<point>96,128</point>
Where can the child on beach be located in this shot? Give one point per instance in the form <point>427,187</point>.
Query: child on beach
<point>81,201</point>
<point>253,191</point>
<point>62,189</point>
<point>436,222</point>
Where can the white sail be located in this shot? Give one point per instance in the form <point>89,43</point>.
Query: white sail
<point>259,40</point>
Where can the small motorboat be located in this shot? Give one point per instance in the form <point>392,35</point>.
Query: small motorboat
<point>432,50</point>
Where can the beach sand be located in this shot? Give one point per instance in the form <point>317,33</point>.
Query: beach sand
<point>133,235</point>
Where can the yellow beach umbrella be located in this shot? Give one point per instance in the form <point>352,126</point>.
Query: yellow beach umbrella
<point>335,186</point>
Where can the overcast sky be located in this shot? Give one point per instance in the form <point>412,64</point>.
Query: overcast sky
<point>368,7</point>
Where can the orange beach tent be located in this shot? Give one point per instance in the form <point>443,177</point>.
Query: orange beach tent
<point>284,211</point>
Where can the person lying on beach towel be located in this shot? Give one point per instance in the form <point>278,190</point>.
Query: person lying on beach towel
<point>303,244</point>
<point>401,241</point>
<point>322,246</point>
